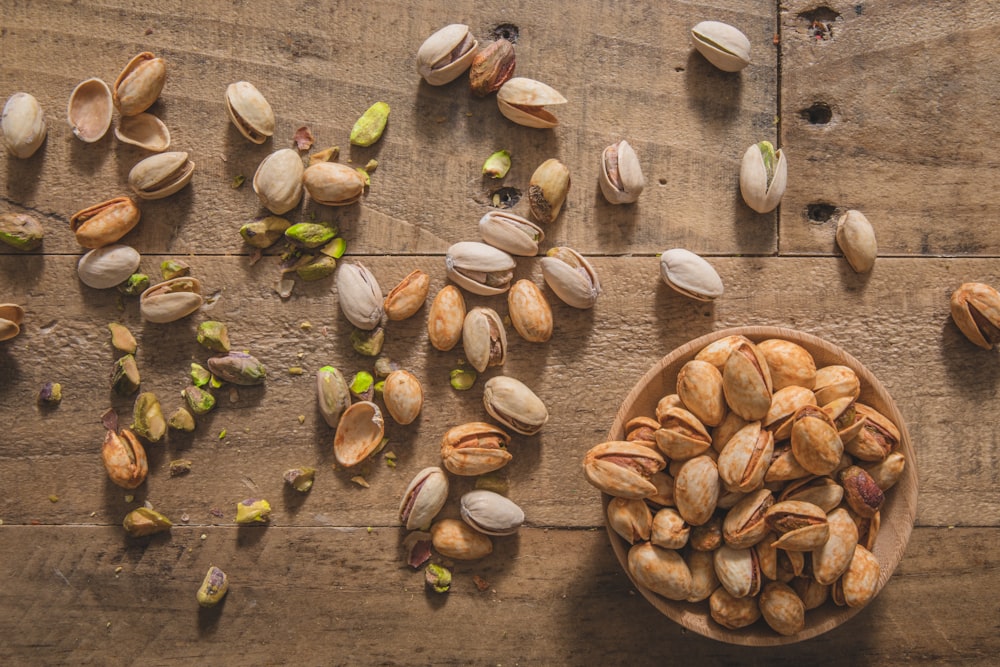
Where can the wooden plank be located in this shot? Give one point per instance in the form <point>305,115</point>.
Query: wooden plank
<point>688,122</point>
<point>344,597</point>
<point>910,96</point>
<point>896,323</point>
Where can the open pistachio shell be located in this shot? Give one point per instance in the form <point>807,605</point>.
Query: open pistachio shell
<point>250,111</point>
<point>104,223</point>
<point>622,469</point>
<point>621,178</point>
<point>479,268</point>
<point>521,100</point>
<point>145,131</point>
<point>446,54</point>
<point>484,338</point>
<point>722,45</point>
<point>975,308</point>
<point>763,177</point>
<point>475,448</point>
<point>359,433</point>
<point>511,403</point>
<point>511,233</point>
<point>571,277</point>
<point>89,110</point>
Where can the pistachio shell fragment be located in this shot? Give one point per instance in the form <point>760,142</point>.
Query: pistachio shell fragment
<point>722,45</point>
<point>522,101</point>
<point>250,111</point>
<point>856,239</point>
<point>21,231</point>
<point>162,175</point>
<point>446,54</point>
<point>139,84</point>
<point>359,433</point>
<point>368,129</point>
<point>763,176</point>
<point>213,588</point>
<point>511,403</point>
<point>11,316</point>
<point>23,125</point>
<point>690,275</point>
<point>89,110</point>
<point>143,130</point>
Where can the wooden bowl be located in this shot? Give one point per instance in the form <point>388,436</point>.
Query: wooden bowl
<point>897,514</point>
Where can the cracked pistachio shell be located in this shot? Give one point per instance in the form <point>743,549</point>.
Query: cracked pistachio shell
<point>763,176</point>
<point>784,403</point>
<point>790,364</point>
<point>699,385</point>
<point>479,268</point>
<point>278,181</point>
<point>831,559</point>
<point>475,448</point>
<point>547,190</point>
<point>696,489</point>
<point>738,571</point>
<point>877,437</point>
<point>690,275</point>
<point>782,608</point>
<point>703,578</point>
<point>143,130</point>
<point>823,492</point>
<point>124,459</point>
<point>162,175</point>
<point>621,178</point>
<point>745,458</point>
<point>406,298</point>
<point>454,539</point>
<point>856,238</point>
<point>332,394</point>
<point>529,312</point>
<point>631,518</point>
<point>424,497</point>
<point>511,403</point>
<point>360,296</point>
<point>511,233</point>
<point>21,231</point>
<point>522,101</point>
<point>816,443</point>
<point>833,382</point>
<point>571,277</point>
<point>484,338</point>
<point>106,267</point>
<point>802,526</point>
<point>975,308</point>
<point>104,223</point>
<point>446,318</point>
<point>491,513</point>
<point>622,469</point>
<point>23,125</point>
<point>662,571</point>
<point>403,396</point>
<point>359,433</point>
<point>744,525</point>
<point>717,353</point>
<point>722,45</point>
<point>681,435</point>
<point>746,382</point>
<point>89,110</point>
<point>139,84</point>
<point>171,300</point>
<point>446,54</point>
<point>250,111</point>
<point>333,184</point>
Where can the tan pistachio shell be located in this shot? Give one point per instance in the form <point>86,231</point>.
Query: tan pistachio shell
<point>446,54</point>
<point>547,190</point>
<point>576,284</point>
<point>823,492</point>
<point>446,318</point>
<point>746,382</point>
<point>801,526</point>
<point>403,396</point>
<point>690,275</point>
<point>662,571</point>
<point>23,125</point>
<point>761,196</point>
<point>514,405</point>
<point>105,267</point>
<point>811,592</point>
<point>732,612</point>
<point>511,233</point>
<point>723,45</point>
<point>703,578</point>
<point>406,298</point>
<point>162,175</point>
<point>669,529</point>
<point>250,111</point>
<point>139,84</point>
<point>622,469</point>
<point>491,513</point>
<point>621,178</point>
<point>333,184</point>
<point>816,443</point>
<point>475,448</point>
<point>856,238</point>
<point>832,558</point>
<point>104,223</point>
<point>359,433</point>
<point>145,131</point>
<point>479,267</point>
<point>738,571</point>
<point>529,311</point>
<point>631,518</point>
<point>888,471</point>
<point>124,459</point>
<point>456,539</point>
<point>877,437</point>
<point>278,181</point>
<point>171,300</point>
<point>11,316</point>
<point>424,497</point>
<point>89,110</point>
<point>484,338</point>
<point>744,525</point>
<point>700,387</point>
<point>522,101</point>
<point>681,435</point>
<point>359,296</point>
<point>717,352</point>
<point>975,309</point>
<point>790,364</point>
<point>707,536</point>
<point>857,586</point>
<point>696,489</point>
<point>836,381</point>
<point>746,458</point>
<point>782,608</point>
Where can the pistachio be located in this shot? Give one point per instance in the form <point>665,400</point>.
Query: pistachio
<point>490,513</point>
<point>484,338</point>
<point>782,609</point>
<point>360,296</point>
<point>975,308</point>
<point>50,393</point>
<point>833,382</point>
<point>630,518</point>
<point>511,403</point>
<point>214,335</point>
<point>102,224</point>
<point>622,469</point>
<point>423,499</point>
<point>145,131</point>
<point>300,479</point>
<point>238,368</point>
<point>174,268</point>
<point>669,529</point>
<point>832,558</point>
<point>704,581</point>
<point>250,111</point>
<point>857,586</point>
<point>732,612</point>
<point>21,231</point>
<point>763,175</point>
<point>278,181</point>
<point>359,433</point>
<point>822,492</point>
<point>680,435</point>
<point>107,266</point>
<point>317,268</point>
<point>180,420</point>
<point>662,571</point>
<point>475,448</point>
<point>139,84</point>
<point>446,54</point>
<point>89,110</point>
<point>200,376</point>
<point>332,394</point>
<point>696,489</point>
<point>264,233</point>
<point>816,443</point>
<point>455,539</point>
<point>23,125</point>
<point>876,438</point>
<point>125,376</point>
<point>134,285</point>
<point>690,275</point>
<point>124,459</point>
<point>310,234</point>
<point>722,45</point>
<point>738,571</point>
<point>497,165</point>
<point>511,233</point>
<point>213,588</point>
<point>200,401</point>
<point>403,396</point>
<point>746,382</point>
<point>491,68</point>
<point>144,521</point>
<point>368,129</point>
<point>461,379</point>
<point>147,417</point>
<point>856,239</point>
<point>326,155</point>
<point>547,190</point>
<point>529,311</point>
<point>479,268</point>
<point>621,178</point>
<point>744,525</point>
<point>861,492</point>
<point>571,277</point>
<point>406,298</point>
<point>700,387</point>
<point>361,385</point>
<point>522,101</point>
<point>252,511</point>
<point>802,526</point>
<point>446,318</point>
<point>790,364</point>
<point>887,472</point>
<point>162,175</point>
<point>333,184</point>
<point>745,458</point>
<point>437,578</point>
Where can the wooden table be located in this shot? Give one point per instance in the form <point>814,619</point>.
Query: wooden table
<point>908,140</point>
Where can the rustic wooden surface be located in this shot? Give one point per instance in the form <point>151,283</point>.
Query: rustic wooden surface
<point>909,86</point>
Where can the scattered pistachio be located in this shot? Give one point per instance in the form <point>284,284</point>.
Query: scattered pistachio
<point>438,578</point>
<point>462,380</point>
<point>264,233</point>
<point>385,365</point>
<point>325,155</point>
<point>136,284</point>
<point>174,268</point>
<point>310,234</point>
<point>214,587</point>
<point>238,368</point>
<point>180,467</point>
<point>125,376</point>
<point>379,388</point>
<point>302,419</point>
<point>318,268</point>
<point>237,181</point>
<point>295,370</point>
<point>303,138</point>
<point>368,343</point>
<point>143,521</point>
<point>497,165</point>
<point>335,248</point>
<point>368,129</point>
<point>21,231</point>
<point>390,459</point>
<point>361,481</point>
<point>200,375</point>
<point>200,401</point>
<point>181,420</point>
<point>222,434</point>
<point>53,498</point>
<point>371,165</point>
<point>365,176</point>
<point>253,510</point>
<point>51,393</point>
<point>122,339</point>
<point>361,386</point>
<point>492,67</point>
<point>300,479</point>
<point>214,336</point>
<point>147,417</point>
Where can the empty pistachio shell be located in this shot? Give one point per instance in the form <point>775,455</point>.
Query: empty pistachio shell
<point>571,277</point>
<point>490,513</point>
<point>213,588</point>
<point>511,233</point>
<point>360,296</point>
<point>106,267</point>
<point>523,100</point>
<point>511,403</point>
<point>23,125</point>
<point>104,223</point>
<point>139,84</point>
<point>446,318</point>
<point>423,499</point>
<point>89,110</point>
<point>621,178</point>
<point>763,176</point>
<point>250,111</point>
<point>278,181</point>
<point>21,231</point>
<point>479,268</point>
<point>690,275</point>
<point>484,338</point>
<point>722,45</point>
<point>171,300</point>
<point>446,54</point>
<point>856,239</point>
<point>145,131</point>
<point>161,175</point>
<point>359,433</point>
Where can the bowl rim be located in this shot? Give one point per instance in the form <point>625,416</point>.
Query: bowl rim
<point>900,505</point>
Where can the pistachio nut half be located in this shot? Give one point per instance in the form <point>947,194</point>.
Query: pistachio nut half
<point>547,190</point>
<point>621,178</point>
<point>479,268</point>
<point>403,396</point>
<point>360,296</point>
<point>454,539</point>
<point>278,181</point>
<point>423,499</point>
<point>139,84</point>
<point>529,312</point>
<point>21,231</point>
<point>145,131</point>
<point>975,308</point>
<point>23,125</point>
<point>475,448</point>
<point>104,223</point>
<point>11,316</point>
<point>171,300</point>
<point>250,111</point>
<point>332,394</point>
<point>662,571</point>
<point>106,267</point>
<point>89,110</point>
<point>213,587</point>
<point>511,233</point>
<point>722,45</point>
<point>484,338</point>
<point>763,176</point>
<point>622,469</point>
<point>511,403</point>
<point>490,513</point>
<point>124,459</point>
<point>690,274</point>
<point>406,298</point>
<point>446,318</point>
<point>856,238</point>
<point>359,433</point>
<point>522,101</point>
<point>162,175</point>
<point>571,277</point>
<point>333,184</point>
<point>446,54</point>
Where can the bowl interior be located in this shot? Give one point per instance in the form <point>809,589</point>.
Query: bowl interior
<point>897,514</point>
